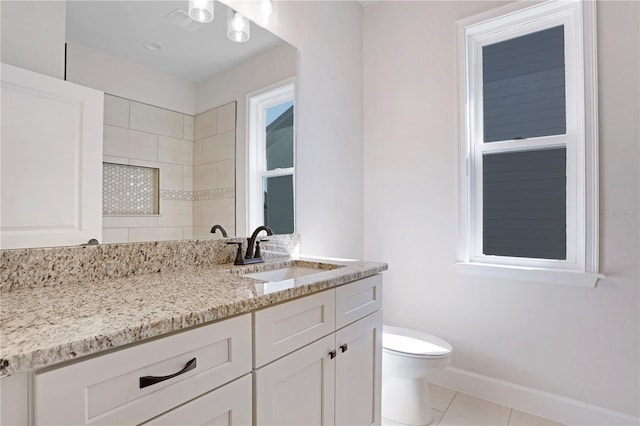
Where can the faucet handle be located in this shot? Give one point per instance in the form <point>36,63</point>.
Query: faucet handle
<point>258,254</point>
<point>239,260</point>
<point>248,253</point>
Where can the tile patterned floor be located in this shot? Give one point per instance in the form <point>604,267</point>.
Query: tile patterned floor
<point>451,408</point>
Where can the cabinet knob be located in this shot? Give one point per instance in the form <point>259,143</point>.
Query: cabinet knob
<point>332,354</point>
<point>344,347</point>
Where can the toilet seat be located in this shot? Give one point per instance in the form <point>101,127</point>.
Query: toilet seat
<point>413,343</point>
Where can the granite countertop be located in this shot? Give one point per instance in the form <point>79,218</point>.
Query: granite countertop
<point>40,327</point>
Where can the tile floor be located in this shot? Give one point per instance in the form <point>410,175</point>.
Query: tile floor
<point>451,408</point>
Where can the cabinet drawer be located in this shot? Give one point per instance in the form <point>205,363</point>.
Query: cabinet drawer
<point>284,328</point>
<point>358,299</point>
<point>107,389</point>
<point>230,405</point>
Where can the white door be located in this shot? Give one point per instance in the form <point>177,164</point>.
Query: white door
<point>298,389</point>
<point>229,405</point>
<point>51,161</point>
<point>358,370</point>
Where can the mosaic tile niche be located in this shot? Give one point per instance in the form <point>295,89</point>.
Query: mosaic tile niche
<point>129,189</point>
<point>195,179</point>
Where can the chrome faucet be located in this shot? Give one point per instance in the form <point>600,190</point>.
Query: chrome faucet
<point>222,230</point>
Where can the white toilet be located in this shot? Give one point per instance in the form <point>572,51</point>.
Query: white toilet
<point>407,357</point>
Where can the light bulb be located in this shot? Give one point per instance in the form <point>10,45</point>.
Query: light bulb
<point>266,9</point>
<point>268,13</point>
<point>201,10</point>
<point>238,27</point>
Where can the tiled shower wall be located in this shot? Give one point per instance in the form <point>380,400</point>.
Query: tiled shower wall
<point>144,135</point>
<point>214,154</point>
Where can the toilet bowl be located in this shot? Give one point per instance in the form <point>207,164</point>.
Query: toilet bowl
<point>407,358</point>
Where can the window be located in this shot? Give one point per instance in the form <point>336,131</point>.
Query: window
<point>528,204</point>
<point>272,160</point>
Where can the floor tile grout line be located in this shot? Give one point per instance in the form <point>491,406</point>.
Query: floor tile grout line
<point>441,415</point>
<point>448,406</point>
<point>451,402</point>
<point>511,409</point>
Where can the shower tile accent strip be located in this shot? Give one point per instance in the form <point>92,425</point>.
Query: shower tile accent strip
<point>168,194</point>
<point>206,194</point>
<point>46,267</point>
<point>215,194</point>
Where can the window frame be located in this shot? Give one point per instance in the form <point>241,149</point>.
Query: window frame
<point>580,140</point>
<point>257,103</point>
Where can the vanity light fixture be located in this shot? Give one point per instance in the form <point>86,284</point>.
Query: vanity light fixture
<point>238,27</point>
<point>266,10</point>
<point>201,10</point>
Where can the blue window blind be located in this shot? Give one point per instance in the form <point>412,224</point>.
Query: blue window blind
<point>524,204</point>
<point>279,133</point>
<point>524,86</point>
<point>278,203</point>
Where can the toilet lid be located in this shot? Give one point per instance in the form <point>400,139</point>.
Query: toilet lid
<point>414,342</point>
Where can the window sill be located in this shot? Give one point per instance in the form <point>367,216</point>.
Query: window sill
<point>131,215</point>
<point>548,276</point>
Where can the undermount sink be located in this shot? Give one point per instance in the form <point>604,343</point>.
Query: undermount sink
<point>285,273</point>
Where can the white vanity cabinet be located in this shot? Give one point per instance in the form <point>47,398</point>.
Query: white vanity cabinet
<point>330,380</point>
<point>207,368</point>
<point>315,360</point>
<point>51,161</point>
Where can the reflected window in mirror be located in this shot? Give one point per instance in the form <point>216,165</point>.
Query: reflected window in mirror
<point>272,159</point>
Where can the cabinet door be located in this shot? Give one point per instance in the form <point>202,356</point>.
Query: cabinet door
<point>298,389</point>
<point>51,161</point>
<point>229,405</point>
<point>358,370</point>
<point>14,399</point>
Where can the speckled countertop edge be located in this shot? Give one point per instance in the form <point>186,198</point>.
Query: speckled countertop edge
<point>40,327</point>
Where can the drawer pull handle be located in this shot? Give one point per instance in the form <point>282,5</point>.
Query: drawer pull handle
<point>344,347</point>
<point>332,354</point>
<point>152,380</point>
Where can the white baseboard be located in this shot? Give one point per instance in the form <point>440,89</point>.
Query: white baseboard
<point>551,406</point>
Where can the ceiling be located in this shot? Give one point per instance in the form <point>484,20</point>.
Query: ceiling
<point>121,27</point>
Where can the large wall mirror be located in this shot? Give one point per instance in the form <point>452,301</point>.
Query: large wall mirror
<point>175,124</point>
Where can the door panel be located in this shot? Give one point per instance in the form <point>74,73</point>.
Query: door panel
<point>51,161</point>
<point>358,370</point>
<point>298,389</point>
